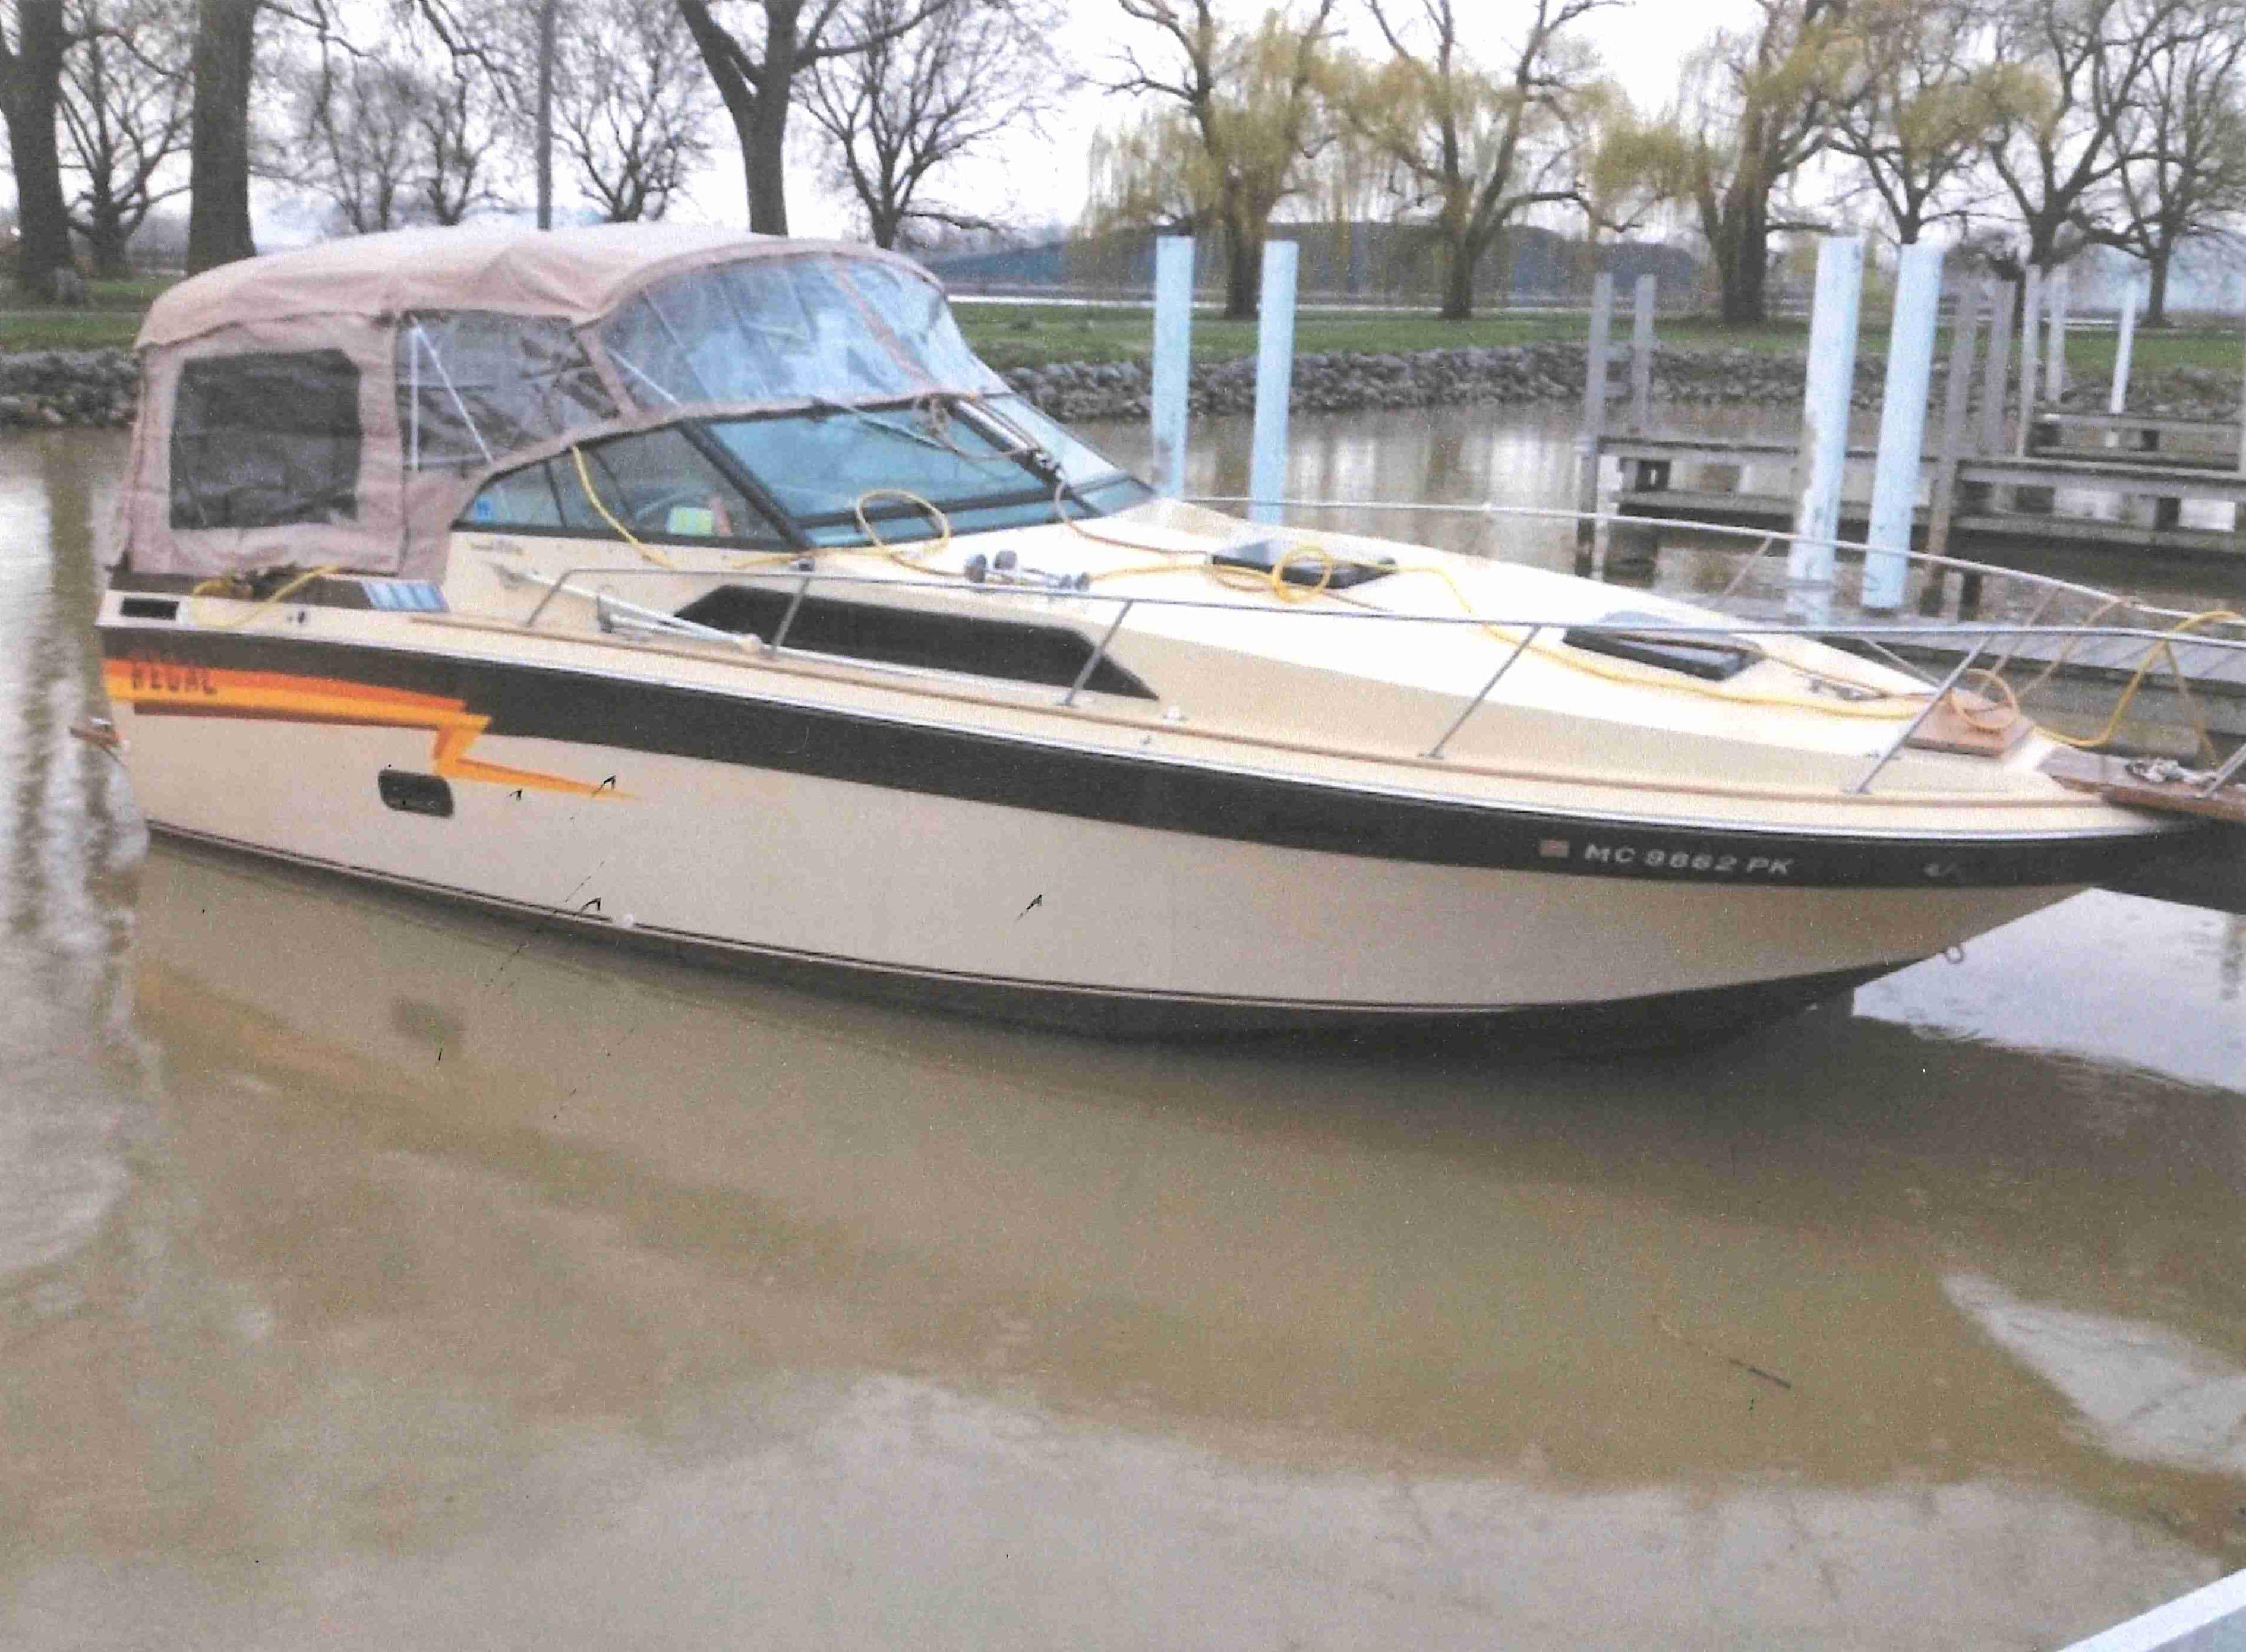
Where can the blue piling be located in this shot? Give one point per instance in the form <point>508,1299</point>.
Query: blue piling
<point>1274,373</point>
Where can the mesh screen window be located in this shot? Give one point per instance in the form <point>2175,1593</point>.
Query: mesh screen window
<point>265,440</point>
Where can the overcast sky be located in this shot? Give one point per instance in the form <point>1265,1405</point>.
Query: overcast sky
<point>1643,43</point>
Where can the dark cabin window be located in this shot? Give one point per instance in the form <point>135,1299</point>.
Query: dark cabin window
<point>1023,651</point>
<point>263,440</point>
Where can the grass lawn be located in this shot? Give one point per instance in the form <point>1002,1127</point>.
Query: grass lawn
<point>1022,335</point>
<point>110,316</point>
<point>1014,335</point>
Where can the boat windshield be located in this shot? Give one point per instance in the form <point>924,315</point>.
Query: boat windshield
<point>807,477</point>
<point>985,463</point>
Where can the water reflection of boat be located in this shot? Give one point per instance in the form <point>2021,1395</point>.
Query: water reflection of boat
<point>1337,1257</point>
<point>710,590</point>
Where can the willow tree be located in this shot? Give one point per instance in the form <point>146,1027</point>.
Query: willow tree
<point>1917,91</point>
<point>1754,109</point>
<point>1247,111</point>
<point>1479,145</point>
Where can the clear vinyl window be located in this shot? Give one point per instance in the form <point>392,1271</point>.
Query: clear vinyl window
<point>475,385</point>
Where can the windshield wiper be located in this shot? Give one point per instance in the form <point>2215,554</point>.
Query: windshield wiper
<point>910,435</point>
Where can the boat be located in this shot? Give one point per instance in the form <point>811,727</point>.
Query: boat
<point>706,591</point>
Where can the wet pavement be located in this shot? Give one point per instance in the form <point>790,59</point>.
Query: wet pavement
<point>378,1273</point>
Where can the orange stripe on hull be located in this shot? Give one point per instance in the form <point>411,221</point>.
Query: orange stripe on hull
<point>162,688</point>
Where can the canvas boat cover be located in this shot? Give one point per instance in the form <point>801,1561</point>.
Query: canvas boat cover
<point>339,404</point>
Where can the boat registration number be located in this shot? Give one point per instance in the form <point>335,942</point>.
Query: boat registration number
<point>1710,863</point>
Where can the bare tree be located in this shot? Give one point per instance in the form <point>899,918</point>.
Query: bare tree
<point>357,138</point>
<point>1246,113</point>
<point>631,106</point>
<point>463,115</point>
<point>2183,141</point>
<point>1481,146</point>
<point>755,60</point>
<point>125,102</point>
<point>2057,149</point>
<point>218,143</point>
<point>916,101</point>
<point>31,90</point>
<point>409,128</point>
<point>1915,95</point>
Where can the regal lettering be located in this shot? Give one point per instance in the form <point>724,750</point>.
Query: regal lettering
<point>169,676</point>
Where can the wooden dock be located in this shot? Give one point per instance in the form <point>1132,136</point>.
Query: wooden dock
<point>2033,472</point>
<point>2001,499</point>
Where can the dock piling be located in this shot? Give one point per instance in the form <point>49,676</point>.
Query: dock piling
<point>1275,374</point>
<point>1167,409</point>
<point>1596,358</point>
<point>1996,368</point>
<point>1996,391</point>
<point>1641,357</point>
<point>1903,425</point>
<point>1824,453</point>
<point>1965,326</point>
<point>2241,453</point>
<point>2118,399</point>
<point>2031,344</point>
<point>2054,376</point>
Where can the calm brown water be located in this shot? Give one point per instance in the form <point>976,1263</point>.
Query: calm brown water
<point>373,1274</point>
<point>1527,457</point>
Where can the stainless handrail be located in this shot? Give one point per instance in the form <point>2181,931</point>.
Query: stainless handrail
<point>1474,704</point>
<point>1816,631</point>
<point>795,603</point>
<point>1098,653</point>
<point>1903,736</point>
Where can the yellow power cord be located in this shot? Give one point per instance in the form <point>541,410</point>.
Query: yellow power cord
<point>897,554</point>
<point>1276,582</point>
<point>647,552</point>
<point>2153,651</point>
<point>216,586</point>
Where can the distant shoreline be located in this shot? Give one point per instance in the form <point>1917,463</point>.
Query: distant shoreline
<point>81,388</point>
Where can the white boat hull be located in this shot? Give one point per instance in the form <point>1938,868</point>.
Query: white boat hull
<point>1046,915</point>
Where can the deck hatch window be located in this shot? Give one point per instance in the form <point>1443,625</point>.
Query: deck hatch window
<point>266,439</point>
<point>474,385</point>
<point>1715,659</point>
<point>1304,564</point>
<point>1019,650</point>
